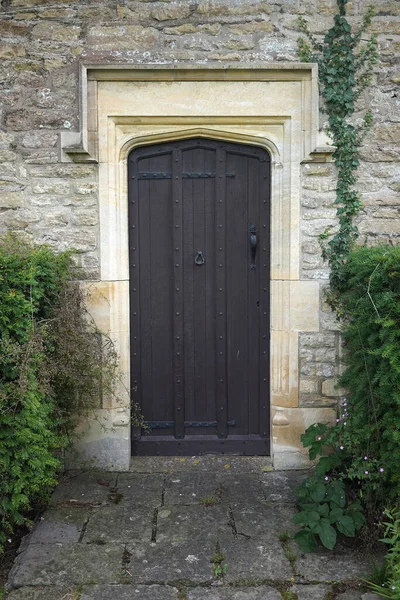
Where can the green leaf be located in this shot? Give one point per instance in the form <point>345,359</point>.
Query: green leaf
<point>306,541</point>
<point>318,493</point>
<point>327,534</point>
<point>323,509</point>
<point>335,514</point>
<point>326,464</point>
<point>346,526</point>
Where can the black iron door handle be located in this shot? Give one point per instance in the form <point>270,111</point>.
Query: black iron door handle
<point>199,260</point>
<point>253,246</point>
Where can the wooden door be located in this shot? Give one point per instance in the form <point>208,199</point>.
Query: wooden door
<point>199,297</point>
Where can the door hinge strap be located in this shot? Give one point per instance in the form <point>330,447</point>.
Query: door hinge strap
<point>166,424</point>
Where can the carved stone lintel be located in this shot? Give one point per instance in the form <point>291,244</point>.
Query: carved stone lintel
<point>78,154</point>
<point>321,154</point>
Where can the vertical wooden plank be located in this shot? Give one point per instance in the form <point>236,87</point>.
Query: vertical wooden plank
<point>188,282</point>
<point>178,344</point>
<point>264,283</point>
<point>253,293</point>
<point>211,201</point>
<point>221,342</point>
<point>161,269</point>
<point>238,256</point>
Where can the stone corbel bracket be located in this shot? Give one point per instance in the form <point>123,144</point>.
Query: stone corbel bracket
<point>82,146</point>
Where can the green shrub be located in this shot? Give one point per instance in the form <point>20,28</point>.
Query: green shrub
<point>52,364</point>
<point>362,449</point>
<point>390,588</point>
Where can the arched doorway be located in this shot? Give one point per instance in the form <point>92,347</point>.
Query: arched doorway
<point>199,215</point>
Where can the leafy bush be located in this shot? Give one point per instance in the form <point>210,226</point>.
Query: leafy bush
<point>362,449</point>
<point>391,587</point>
<point>52,363</point>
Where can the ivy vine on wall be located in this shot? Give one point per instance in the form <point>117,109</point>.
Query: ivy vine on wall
<point>345,64</point>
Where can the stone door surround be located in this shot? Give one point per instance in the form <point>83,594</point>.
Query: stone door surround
<point>274,106</point>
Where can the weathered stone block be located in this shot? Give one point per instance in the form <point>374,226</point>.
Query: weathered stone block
<point>7,155</point>
<point>9,28</point>
<point>329,387</point>
<point>308,386</point>
<point>11,50</point>
<point>172,11</point>
<point>39,139</point>
<point>239,43</point>
<point>55,31</point>
<point>49,186</point>
<point>252,27</point>
<point>11,199</point>
<point>387,132</point>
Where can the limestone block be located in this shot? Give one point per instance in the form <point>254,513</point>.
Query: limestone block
<point>318,340</point>
<point>238,43</point>
<point>288,451</point>
<point>284,368</point>
<point>235,7</point>
<point>40,139</point>
<point>54,31</point>
<point>85,188</point>
<point>7,155</point>
<point>71,171</point>
<point>387,132</point>
<point>6,139</point>
<point>379,226</point>
<point>57,217</point>
<point>171,11</point>
<point>209,28</point>
<point>329,388</point>
<point>11,50</point>
<point>84,216</point>
<point>12,29</point>
<point>49,186</point>
<point>11,199</point>
<point>308,386</point>
<point>294,305</point>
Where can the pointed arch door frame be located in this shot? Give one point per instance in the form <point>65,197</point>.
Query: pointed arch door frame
<point>275,108</point>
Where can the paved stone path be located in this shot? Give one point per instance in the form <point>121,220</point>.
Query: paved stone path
<point>209,528</point>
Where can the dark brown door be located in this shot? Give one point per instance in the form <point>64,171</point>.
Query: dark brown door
<point>199,297</point>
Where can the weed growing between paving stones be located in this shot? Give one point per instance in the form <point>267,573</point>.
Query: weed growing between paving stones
<point>218,558</point>
<point>208,500</point>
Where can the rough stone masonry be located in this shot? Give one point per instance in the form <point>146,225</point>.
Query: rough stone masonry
<point>48,201</point>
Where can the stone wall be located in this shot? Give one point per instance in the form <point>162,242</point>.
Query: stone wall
<point>56,203</point>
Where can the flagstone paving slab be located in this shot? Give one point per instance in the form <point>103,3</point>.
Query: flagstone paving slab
<point>191,488</point>
<point>240,488</point>
<point>84,489</point>
<point>142,489</point>
<point>58,565</point>
<point>199,524</point>
<point>170,562</point>
<point>147,534</point>
<point>255,593</point>
<point>279,486</point>
<point>129,592</point>
<point>42,593</point>
<point>264,522</point>
<point>60,525</point>
<point>119,523</point>
<point>338,565</point>
<point>252,560</point>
